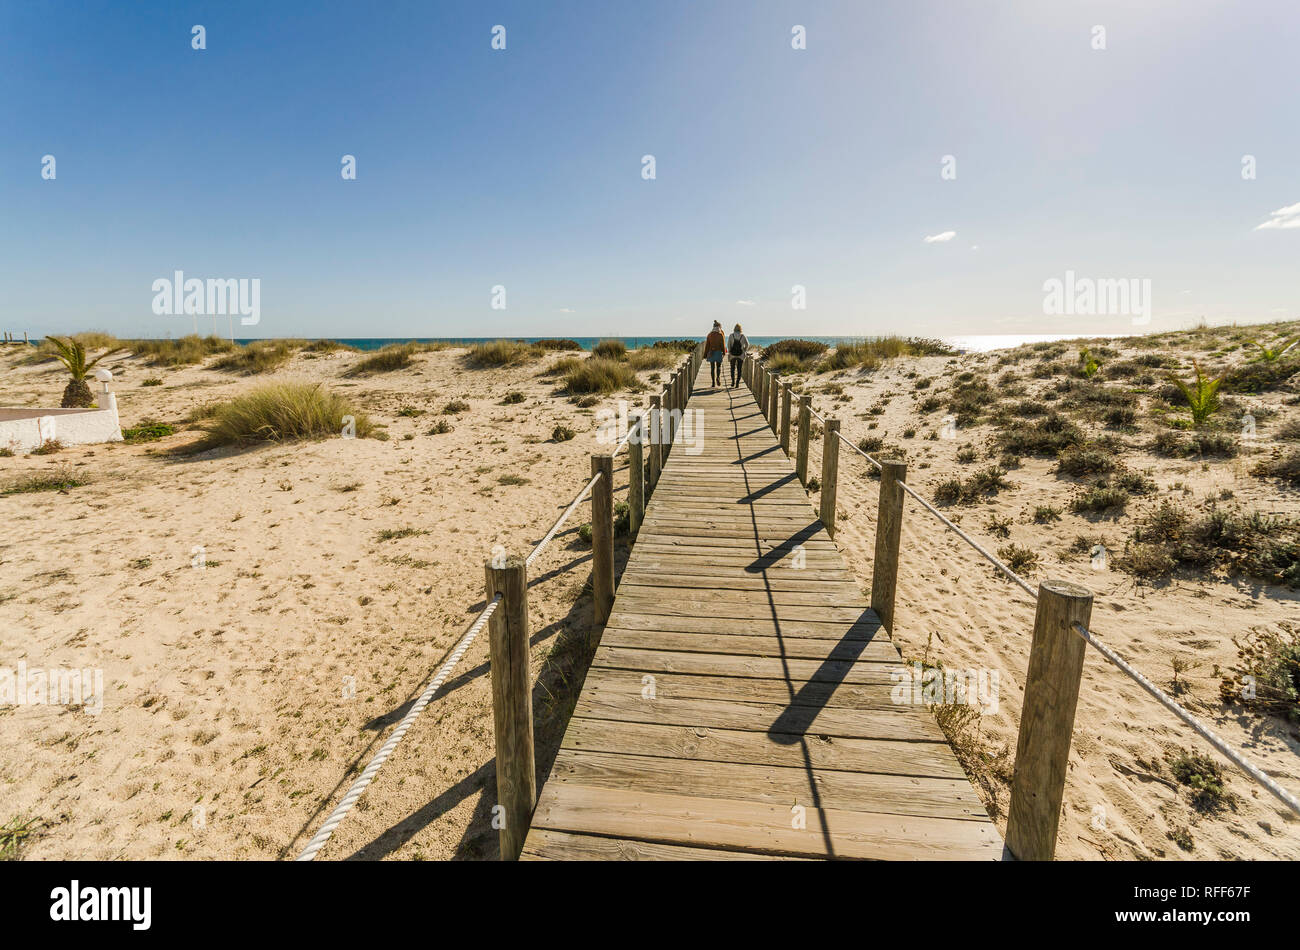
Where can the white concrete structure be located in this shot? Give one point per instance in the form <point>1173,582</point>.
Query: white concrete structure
<point>25,429</point>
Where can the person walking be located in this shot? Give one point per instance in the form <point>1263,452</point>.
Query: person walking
<point>714,346</point>
<point>737,346</point>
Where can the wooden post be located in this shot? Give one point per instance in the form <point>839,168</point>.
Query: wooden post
<point>774,387</point>
<point>512,703</point>
<point>830,472</point>
<point>636,474</point>
<point>805,430</point>
<point>1047,720</point>
<point>785,417</point>
<point>602,542</point>
<point>889,526</point>
<point>670,406</point>
<point>653,438</point>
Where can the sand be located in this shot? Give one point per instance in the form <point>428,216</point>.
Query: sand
<point>242,697</point>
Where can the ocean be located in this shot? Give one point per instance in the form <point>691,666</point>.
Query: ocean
<point>975,343</point>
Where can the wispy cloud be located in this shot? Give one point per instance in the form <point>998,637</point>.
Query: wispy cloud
<point>746,303</point>
<point>1282,219</point>
<point>942,236</point>
<point>567,310</point>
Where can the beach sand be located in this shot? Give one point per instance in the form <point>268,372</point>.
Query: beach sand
<point>230,726</point>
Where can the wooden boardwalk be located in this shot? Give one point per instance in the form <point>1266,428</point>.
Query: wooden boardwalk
<point>738,705</point>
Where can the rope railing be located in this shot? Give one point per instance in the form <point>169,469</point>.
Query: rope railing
<point>541,545</point>
<point>679,394</point>
<point>1237,758</point>
<point>363,782</point>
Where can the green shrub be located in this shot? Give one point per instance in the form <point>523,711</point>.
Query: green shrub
<point>387,359</point>
<point>647,358</point>
<point>182,352</point>
<point>147,432</point>
<point>513,398</point>
<point>1242,542</point>
<point>562,434</point>
<point>1098,499</point>
<point>455,407</point>
<point>1218,444</point>
<point>1019,559</point>
<point>280,412</point>
<point>1048,436</point>
<point>261,356</point>
<point>610,350</point>
<point>1201,395</point>
<point>803,351</point>
<point>151,381</point>
<point>1204,779</point>
<point>1271,660</point>
<point>598,375</point>
<point>1046,514</point>
<point>57,479</point>
<point>48,447</point>
<point>551,345</point>
<point>1085,460</point>
<point>498,353</point>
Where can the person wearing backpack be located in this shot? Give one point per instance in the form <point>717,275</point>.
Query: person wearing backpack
<point>714,345</point>
<point>737,345</point>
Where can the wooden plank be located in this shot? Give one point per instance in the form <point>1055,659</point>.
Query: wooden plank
<point>730,685</point>
<point>804,648</point>
<point>866,628</point>
<point>765,827</point>
<point>759,667</point>
<point>791,691</point>
<point>546,845</point>
<point>852,791</point>
<point>899,722</point>
<point>882,756</point>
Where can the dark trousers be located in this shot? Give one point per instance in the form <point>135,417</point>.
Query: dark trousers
<point>715,373</point>
<point>735,369</point>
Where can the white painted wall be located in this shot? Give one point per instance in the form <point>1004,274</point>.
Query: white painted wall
<point>25,429</point>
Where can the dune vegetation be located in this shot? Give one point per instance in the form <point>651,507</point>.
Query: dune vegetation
<point>279,412</point>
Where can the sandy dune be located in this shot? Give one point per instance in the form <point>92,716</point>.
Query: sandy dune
<point>229,725</point>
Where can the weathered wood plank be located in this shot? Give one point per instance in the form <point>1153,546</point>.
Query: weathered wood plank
<point>765,827</point>
<point>730,685</point>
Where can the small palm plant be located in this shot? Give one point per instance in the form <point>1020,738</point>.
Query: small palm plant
<point>1089,363</point>
<point>1202,396</point>
<point>72,355</point>
<point>1271,354</point>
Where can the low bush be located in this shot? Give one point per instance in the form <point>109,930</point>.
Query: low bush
<point>599,375</point>
<point>280,412</point>
<point>262,356</point>
<point>610,350</point>
<point>387,359</point>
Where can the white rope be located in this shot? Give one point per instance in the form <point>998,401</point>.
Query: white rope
<point>1011,575</point>
<point>1203,730</point>
<point>859,451</point>
<point>541,545</point>
<point>368,776</point>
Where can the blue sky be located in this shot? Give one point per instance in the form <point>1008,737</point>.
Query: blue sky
<point>775,167</point>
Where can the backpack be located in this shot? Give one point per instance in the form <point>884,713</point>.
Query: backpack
<point>737,348</point>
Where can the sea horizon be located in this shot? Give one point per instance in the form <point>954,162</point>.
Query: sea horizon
<point>964,343</point>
